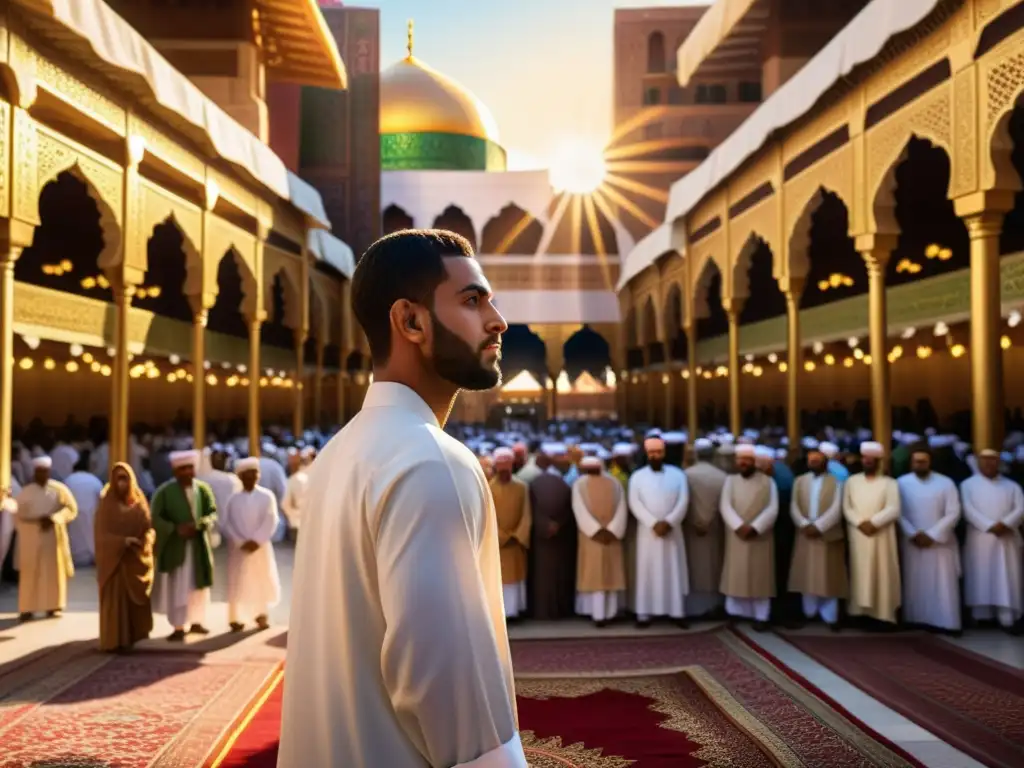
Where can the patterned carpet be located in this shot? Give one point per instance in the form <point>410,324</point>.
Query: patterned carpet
<point>703,699</point>
<point>975,703</point>
<point>73,707</point>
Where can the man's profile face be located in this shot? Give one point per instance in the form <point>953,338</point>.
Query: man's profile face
<point>467,328</point>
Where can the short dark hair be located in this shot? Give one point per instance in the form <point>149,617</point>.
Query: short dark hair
<point>408,264</point>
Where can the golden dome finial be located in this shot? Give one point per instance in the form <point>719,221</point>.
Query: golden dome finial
<point>408,43</point>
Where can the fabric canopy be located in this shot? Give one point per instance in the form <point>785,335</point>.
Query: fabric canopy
<point>859,42</point>
<point>326,247</point>
<point>712,33</point>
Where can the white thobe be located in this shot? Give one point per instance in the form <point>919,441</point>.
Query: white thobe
<point>294,503</point>
<point>931,575</point>
<point>254,586</point>
<point>823,520</point>
<point>274,479</point>
<point>753,608</point>
<point>662,579</point>
<point>175,594</point>
<point>993,585</point>
<point>874,561</point>
<point>604,605</point>
<point>224,485</point>
<point>86,488</point>
<point>397,584</point>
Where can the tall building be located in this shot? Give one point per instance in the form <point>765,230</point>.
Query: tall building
<point>669,128</point>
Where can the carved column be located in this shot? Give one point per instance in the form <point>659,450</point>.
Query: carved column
<point>255,428</point>
<point>692,417</point>
<point>299,389</point>
<point>793,288</point>
<point>318,382</point>
<point>733,308</point>
<point>200,316</point>
<point>120,380</point>
<point>9,254</point>
<point>876,250</point>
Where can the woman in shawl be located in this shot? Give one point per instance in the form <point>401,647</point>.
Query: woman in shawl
<point>124,561</point>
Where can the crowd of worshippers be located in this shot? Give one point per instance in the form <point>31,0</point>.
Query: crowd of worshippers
<point>153,550</point>
<point>613,527</point>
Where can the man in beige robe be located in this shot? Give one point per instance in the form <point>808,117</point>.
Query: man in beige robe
<point>45,507</point>
<point>818,568</point>
<point>703,531</point>
<point>871,506</point>
<point>749,506</point>
<point>599,505</point>
<point>512,507</point>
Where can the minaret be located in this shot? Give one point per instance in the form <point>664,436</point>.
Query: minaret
<point>409,39</point>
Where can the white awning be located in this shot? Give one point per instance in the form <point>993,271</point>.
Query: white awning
<point>89,29</point>
<point>859,42</point>
<point>326,247</point>
<point>729,31</point>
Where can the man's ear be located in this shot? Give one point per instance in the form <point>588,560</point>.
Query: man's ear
<point>407,320</point>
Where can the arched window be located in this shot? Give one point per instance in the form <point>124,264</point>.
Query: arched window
<point>656,52</point>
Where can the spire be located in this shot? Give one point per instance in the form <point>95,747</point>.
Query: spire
<point>408,44</point>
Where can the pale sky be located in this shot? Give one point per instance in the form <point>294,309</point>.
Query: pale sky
<point>544,67</point>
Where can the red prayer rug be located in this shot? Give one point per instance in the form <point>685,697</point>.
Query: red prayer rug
<point>683,701</point>
<point>970,701</point>
<point>75,707</point>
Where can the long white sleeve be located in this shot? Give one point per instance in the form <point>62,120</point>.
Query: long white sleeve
<point>832,516</point>
<point>950,514</point>
<point>682,505</point>
<point>269,518</point>
<point>767,517</point>
<point>636,503</point>
<point>732,520</point>
<point>1016,515</point>
<point>891,511</point>
<point>585,521</point>
<point>971,513</point>
<point>440,663</point>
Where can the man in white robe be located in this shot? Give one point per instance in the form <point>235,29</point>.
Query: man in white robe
<point>659,499</point>
<point>224,484</point>
<point>871,507</point>
<point>749,507</point>
<point>993,552</point>
<point>43,553</point>
<point>248,522</point>
<point>929,512</point>
<point>294,503</point>
<point>86,488</point>
<point>398,653</point>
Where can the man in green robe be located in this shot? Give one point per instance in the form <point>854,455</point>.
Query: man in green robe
<point>184,514</point>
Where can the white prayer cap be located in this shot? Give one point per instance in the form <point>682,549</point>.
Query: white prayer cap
<point>872,449</point>
<point>554,449</point>
<point>726,438</point>
<point>751,434</point>
<point>268,446</point>
<point>745,450</point>
<point>247,465</point>
<point>988,453</point>
<point>809,443</point>
<point>674,438</point>
<point>184,459</point>
<point>590,448</point>
<point>830,450</point>
<point>622,449</point>
<point>764,452</point>
<point>292,451</point>
<point>909,438</point>
<point>702,444</point>
<point>42,462</point>
<point>603,454</point>
<point>941,441</point>
<point>781,453</point>
<point>504,454</point>
<point>654,443</point>
<point>590,462</point>
<point>654,432</point>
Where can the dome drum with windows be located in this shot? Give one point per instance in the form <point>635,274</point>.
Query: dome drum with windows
<point>428,122</point>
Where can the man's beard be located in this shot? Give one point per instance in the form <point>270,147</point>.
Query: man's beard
<point>748,471</point>
<point>922,473</point>
<point>458,363</point>
<point>656,464</point>
<point>819,470</point>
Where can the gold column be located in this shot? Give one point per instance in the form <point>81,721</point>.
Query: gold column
<point>986,355</point>
<point>670,388</point>
<point>8,256</point>
<point>255,428</point>
<point>199,318</point>
<point>300,369</point>
<point>318,383</point>
<point>876,250</point>
<point>692,420</point>
<point>653,380</point>
<point>733,308</point>
<point>793,288</point>
<point>118,437</point>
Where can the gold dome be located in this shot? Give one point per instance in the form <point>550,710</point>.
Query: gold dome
<point>415,98</point>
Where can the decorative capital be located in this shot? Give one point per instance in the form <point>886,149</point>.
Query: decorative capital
<point>985,225</point>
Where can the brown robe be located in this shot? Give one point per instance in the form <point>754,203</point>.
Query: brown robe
<point>600,567</point>
<point>512,506</point>
<point>705,554</point>
<point>552,571</point>
<point>819,565</point>
<point>749,568</point>
<point>124,573</point>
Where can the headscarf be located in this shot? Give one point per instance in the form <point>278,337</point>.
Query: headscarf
<point>113,524</point>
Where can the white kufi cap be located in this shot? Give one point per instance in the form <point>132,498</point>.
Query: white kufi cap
<point>872,448</point>
<point>247,465</point>
<point>42,462</point>
<point>184,459</point>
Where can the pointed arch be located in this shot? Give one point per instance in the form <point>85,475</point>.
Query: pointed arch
<point>103,184</point>
<point>648,322</point>
<point>512,230</point>
<point>740,283</point>
<point>454,219</point>
<point>395,219</point>
<point>706,272</point>
<point>674,312</point>
<point>292,297</point>
<point>882,194</point>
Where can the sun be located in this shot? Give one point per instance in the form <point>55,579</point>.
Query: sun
<point>578,167</point>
